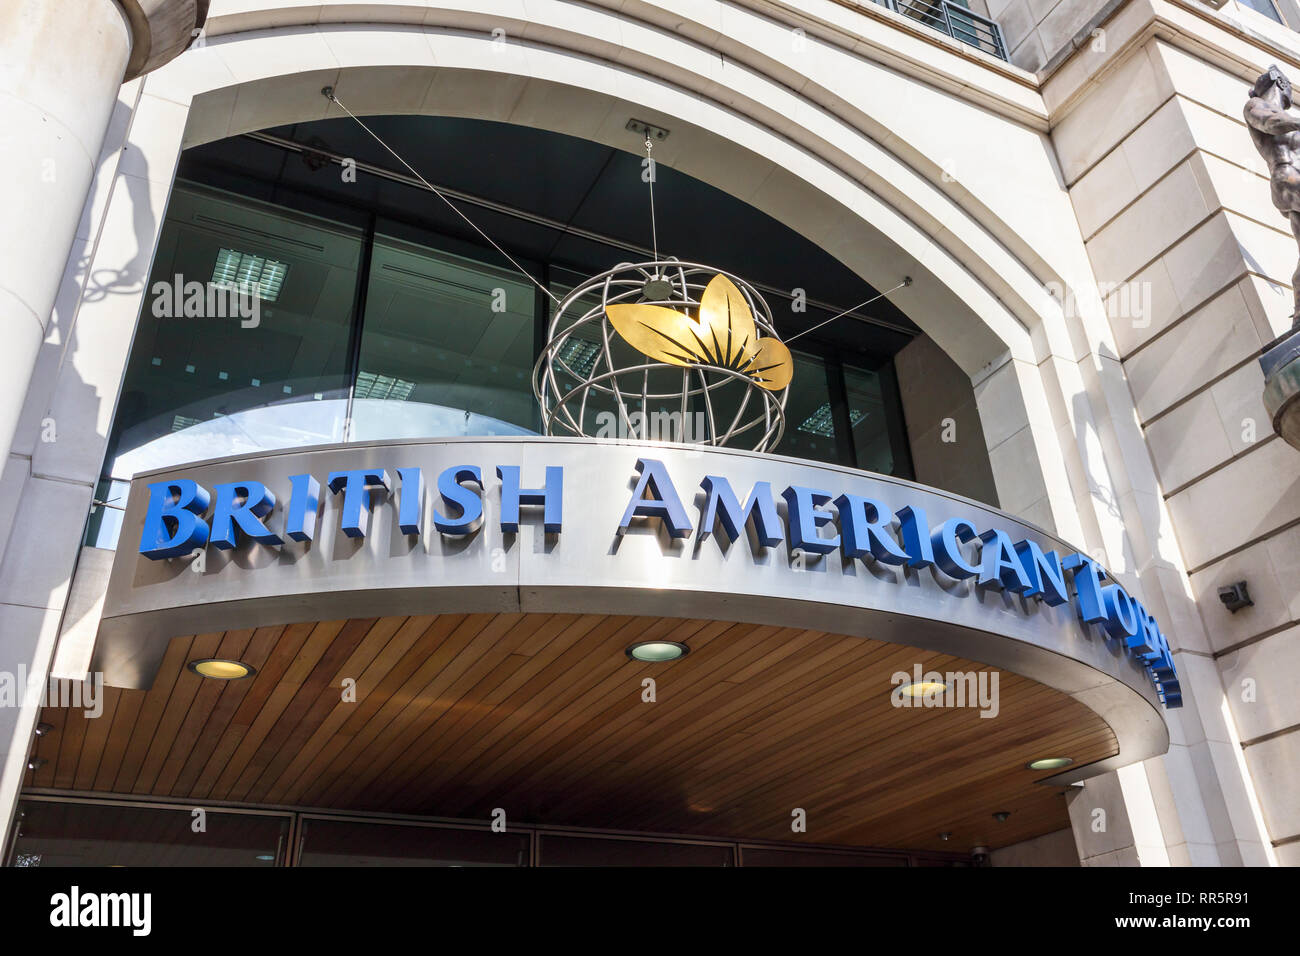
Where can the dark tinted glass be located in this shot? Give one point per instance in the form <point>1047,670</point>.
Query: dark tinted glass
<point>810,425</point>
<point>446,347</point>
<point>768,856</point>
<point>867,418</point>
<point>69,834</point>
<point>243,339</point>
<point>345,843</point>
<point>595,851</point>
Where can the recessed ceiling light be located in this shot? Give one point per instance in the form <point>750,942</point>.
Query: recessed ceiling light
<point>922,687</point>
<point>1050,763</point>
<point>221,670</point>
<point>657,651</point>
<point>250,274</point>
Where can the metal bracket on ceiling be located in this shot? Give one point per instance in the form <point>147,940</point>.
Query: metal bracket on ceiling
<point>647,130</point>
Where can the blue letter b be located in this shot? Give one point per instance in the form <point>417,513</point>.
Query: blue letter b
<point>174,527</point>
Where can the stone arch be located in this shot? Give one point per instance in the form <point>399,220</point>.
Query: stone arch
<point>738,128</point>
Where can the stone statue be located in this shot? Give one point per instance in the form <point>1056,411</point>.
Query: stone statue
<point>1276,133</point>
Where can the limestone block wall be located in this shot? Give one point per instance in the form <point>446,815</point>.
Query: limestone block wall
<point>1173,202</point>
<point>1038,31</point>
<point>1051,849</point>
<point>826,118</point>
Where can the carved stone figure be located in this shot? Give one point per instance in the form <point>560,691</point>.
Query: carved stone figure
<point>1276,133</point>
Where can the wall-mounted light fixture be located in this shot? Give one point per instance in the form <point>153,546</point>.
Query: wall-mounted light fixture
<point>1235,597</point>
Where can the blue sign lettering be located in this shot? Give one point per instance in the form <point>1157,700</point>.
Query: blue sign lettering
<point>549,497</point>
<point>455,496</point>
<point>802,506</point>
<point>721,504</point>
<point>356,486</point>
<point>174,526</point>
<point>242,503</point>
<point>864,524</point>
<point>655,497</point>
<point>173,522</point>
<point>304,502</point>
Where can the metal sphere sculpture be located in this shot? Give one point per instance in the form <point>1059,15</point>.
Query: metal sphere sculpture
<point>667,351</point>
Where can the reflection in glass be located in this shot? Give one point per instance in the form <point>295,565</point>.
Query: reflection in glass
<point>597,409</point>
<point>79,834</point>
<point>1267,7</point>
<point>871,445</point>
<point>347,843</point>
<point>213,373</point>
<point>446,347</point>
<point>773,856</point>
<point>565,850</point>
<point>809,415</point>
<point>106,512</point>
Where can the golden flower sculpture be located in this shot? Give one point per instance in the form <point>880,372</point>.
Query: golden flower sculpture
<point>723,334</point>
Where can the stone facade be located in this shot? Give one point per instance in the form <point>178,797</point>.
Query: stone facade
<point>1092,242</point>
<point>1173,203</point>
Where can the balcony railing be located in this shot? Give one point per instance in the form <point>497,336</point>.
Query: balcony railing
<point>954,20</point>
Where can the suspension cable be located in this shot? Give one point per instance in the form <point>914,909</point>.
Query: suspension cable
<point>328,93</point>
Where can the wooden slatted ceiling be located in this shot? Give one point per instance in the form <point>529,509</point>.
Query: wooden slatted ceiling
<point>542,715</point>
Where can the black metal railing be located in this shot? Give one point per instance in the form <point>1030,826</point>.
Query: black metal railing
<point>954,20</point>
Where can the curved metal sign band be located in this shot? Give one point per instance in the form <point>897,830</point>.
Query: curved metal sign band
<point>387,556</point>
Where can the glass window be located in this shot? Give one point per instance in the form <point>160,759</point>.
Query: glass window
<point>927,11</point>
<point>1266,7</point>
<point>962,24</point>
<point>864,391</point>
<point>81,834</point>
<point>810,419</point>
<point>558,850</point>
<point>106,513</point>
<point>446,347</point>
<point>930,861</point>
<point>256,334</point>
<point>579,360</point>
<point>772,856</point>
<point>346,843</point>
<point>242,344</point>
